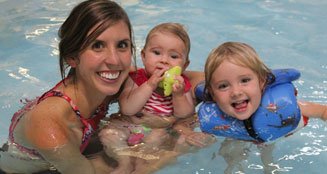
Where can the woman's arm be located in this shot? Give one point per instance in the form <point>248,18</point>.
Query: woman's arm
<point>50,130</point>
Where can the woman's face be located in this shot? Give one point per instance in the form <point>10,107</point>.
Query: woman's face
<point>104,65</point>
<point>236,90</point>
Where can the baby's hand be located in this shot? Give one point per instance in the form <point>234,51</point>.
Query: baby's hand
<point>178,86</point>
<point>156,77</point>
<point>169,79</point>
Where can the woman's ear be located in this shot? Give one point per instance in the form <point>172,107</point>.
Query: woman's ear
<point>72,62</point>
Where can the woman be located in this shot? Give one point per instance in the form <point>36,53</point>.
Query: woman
<point>52,131</point>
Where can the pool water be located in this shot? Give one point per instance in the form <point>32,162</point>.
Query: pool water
<point>286,34</point>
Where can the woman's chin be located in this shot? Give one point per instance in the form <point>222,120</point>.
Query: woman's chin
<point>112,92</point>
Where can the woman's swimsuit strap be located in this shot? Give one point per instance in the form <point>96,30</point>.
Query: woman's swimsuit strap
<point>89,125</point>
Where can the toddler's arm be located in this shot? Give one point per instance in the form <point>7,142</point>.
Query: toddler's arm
<point>311,109</point>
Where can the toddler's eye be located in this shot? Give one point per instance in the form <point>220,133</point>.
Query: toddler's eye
<point>223,86</point>
<point>245,80</point>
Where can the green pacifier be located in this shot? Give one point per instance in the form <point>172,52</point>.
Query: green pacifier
<point>169,79</point>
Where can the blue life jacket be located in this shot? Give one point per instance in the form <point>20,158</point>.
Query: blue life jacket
<point>278,114</point>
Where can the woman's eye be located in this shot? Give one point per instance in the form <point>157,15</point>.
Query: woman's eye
<point>123,44</point>
<point>97,46</point>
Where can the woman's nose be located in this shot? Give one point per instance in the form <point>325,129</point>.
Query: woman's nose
<point>112,56</point>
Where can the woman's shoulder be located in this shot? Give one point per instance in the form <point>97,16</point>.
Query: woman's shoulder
<point>52,113</point>
<point>52,108</point>
<point>45,126</point>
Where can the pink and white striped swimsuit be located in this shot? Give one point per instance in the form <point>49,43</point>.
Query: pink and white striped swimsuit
<point>157,104</point>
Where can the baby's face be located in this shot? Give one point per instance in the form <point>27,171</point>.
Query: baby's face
<point>164,51</point>
<point>236,90</point>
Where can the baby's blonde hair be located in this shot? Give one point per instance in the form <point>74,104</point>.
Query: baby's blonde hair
<point>239,54</point>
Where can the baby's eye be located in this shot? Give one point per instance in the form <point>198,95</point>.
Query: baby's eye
<point>97,45</point>
<point>156,52</point>
<point>174,56</point>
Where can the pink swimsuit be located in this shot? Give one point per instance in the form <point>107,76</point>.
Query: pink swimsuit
<point>90,125</point>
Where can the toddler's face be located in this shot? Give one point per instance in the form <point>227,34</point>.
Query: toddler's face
<point>164,51</point>
<point>236,90</point>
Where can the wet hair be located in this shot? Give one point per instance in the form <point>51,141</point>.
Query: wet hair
<point>240,54</point>
<point>75,34</point>
<point>175,29</point>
